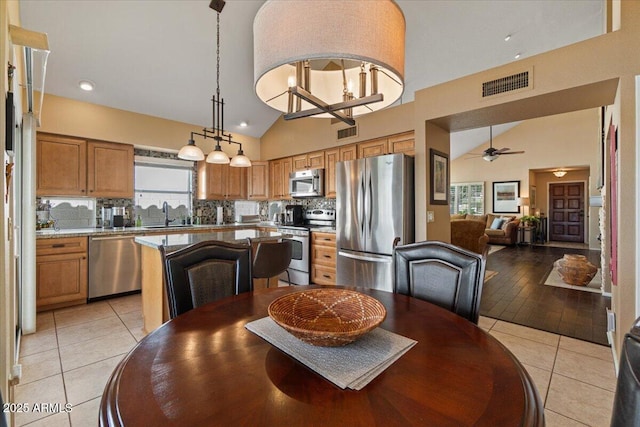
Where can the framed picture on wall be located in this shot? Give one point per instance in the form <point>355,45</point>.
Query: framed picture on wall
<point>532,197</point>
<point>505,196</point>
<point>439,189</point>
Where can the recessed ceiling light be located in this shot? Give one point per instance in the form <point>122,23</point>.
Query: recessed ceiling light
<point>87,85</point>
<point>507,38</point>
<point>244,124</point>
<point>517,55</point>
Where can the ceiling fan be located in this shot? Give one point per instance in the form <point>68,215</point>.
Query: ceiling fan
<point>490,154</point>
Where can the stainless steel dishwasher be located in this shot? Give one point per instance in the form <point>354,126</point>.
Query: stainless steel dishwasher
<point>114,266</point>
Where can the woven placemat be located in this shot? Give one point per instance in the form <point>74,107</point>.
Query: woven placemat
<point>352,366</point>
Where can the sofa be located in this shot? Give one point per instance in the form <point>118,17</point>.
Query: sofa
<point>503,233</point>
<point>469,234</point>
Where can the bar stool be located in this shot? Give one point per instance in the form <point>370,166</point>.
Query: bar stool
<point>272,258</point>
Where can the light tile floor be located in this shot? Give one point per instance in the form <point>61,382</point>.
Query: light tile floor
<point>75,350</point>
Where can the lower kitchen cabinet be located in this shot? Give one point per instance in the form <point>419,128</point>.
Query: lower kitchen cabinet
<point>61,272</point>
<point>323,258</point>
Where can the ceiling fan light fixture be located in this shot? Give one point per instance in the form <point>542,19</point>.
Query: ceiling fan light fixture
<point>490,157</point>
<point>560,173</point>
<point>336,59</point>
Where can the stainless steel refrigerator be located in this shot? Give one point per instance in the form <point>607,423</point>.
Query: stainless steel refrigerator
<point>374,213</point>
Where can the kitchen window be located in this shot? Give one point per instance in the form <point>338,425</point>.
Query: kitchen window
<point>467,198</point>
<point>160,180</point>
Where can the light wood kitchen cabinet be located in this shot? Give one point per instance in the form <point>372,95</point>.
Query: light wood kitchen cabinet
<point>218,182</point>
<point>61,166</point>
<point>258,181</point>
<point>315,160</point>
<point>110,170</point>
<point>67,166</point>
<point>375,147</point>
<point>323,258</point>
<point>61,272</point>
<point>279,177</point>
<point>403,143</point>
<point>348,152</point>
<point>399,143</point>
<point>331,157</point>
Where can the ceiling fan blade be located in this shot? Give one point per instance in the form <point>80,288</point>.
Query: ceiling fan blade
<point>501,150</point>
<point>512,152</point>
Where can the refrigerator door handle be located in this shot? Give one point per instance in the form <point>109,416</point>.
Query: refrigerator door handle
<point>362,207</point>
<point>371,258</point>
<point>370,205</point>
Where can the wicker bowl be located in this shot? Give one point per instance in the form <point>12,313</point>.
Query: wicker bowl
<point>327,317</point>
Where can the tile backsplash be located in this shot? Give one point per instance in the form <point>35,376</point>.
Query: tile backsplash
<point>67,212</point>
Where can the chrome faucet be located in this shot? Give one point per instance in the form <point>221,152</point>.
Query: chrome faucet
<point>165,210</point>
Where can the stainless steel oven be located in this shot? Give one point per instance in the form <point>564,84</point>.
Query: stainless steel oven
<point>300,265</point>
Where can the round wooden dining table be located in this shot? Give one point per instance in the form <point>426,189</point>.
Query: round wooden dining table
<point>203,368</point>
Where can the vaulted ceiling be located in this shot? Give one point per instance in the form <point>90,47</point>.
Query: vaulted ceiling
<point>157,57</point>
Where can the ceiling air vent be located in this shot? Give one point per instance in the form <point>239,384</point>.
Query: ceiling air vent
<point>506,84</point>
<point>347,132</point>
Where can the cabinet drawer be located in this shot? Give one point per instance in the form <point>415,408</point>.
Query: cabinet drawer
<point>323,255</point>
<point>322,275</point>
<point>62,245</point>
<point>325,239</point>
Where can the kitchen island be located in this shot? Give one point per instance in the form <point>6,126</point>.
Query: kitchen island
<point>155,309</point>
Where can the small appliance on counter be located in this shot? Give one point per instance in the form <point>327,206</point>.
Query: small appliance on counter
<point>293,215</point>
<point>118,217</point>
<point>107,217</point>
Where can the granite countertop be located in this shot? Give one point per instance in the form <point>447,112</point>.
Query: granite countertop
<point>324,230</point>
<point>173,242</point>
<point>50,233</point>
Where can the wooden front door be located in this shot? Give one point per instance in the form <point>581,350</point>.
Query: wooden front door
<point>566,216</point>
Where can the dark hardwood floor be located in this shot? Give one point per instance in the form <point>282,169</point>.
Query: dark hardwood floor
<point>516,294</point>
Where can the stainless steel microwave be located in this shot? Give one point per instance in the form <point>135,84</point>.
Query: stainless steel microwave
<point>307,183</point>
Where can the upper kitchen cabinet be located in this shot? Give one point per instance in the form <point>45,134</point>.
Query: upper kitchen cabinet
<point>110,170</point>
<point>403,143</point>
<point>331,157</point>
<point>315,160</point>
<point>399,143</point>
<point>69,166</point>
<point>279,171</point>
<point>61,166</point>
<point>374,147</point>
<point>258,181</point>
<point>218,182</point>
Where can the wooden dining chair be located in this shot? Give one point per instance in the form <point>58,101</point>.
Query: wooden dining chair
<point>626,403</point>
<point>441,273</point>
<point>272,259</point>
<point>205,272</point>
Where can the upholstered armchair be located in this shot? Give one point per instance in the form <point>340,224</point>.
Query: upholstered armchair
<point>470,234</point>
